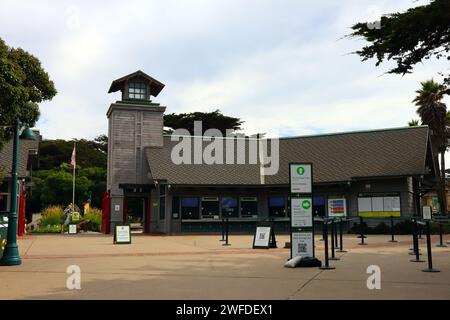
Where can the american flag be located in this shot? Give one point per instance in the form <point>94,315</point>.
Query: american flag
<point>73,160</point>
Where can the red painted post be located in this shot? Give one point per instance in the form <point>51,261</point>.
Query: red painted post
<point>21,215</point>
<point>106,210</point>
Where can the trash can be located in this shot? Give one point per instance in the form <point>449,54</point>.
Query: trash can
<point>3,231</point>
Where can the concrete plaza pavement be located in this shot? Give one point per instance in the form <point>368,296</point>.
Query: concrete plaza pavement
<point>199,267</point>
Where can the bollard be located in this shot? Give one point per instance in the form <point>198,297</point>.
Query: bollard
<point>223,230</point>
<point>441,240</point>
<point>336,243</point>
<point>392,230</point>
<point>430,258</point>
<point>341,238</point>
<point>325,237</point>
<point>333,240</point>
<point>361,227</point>
<point>226,233</point>
<point>415,250</point>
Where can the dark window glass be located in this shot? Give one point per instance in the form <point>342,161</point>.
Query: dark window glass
<point>229,207</point>
<point>319,206</point>
<point>249,207</point>
<point>210,207</point>
<point>3,201</point>
<point>162,202</point>
<point>277,207</point>
<point>175,207</point>
<point>190,208</point>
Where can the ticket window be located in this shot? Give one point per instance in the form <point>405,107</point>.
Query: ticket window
<point>319,209</point>
<point>190,208</point>
<point>210,207</point>
<point>249,207</point>
<point>277,207</point>
<point>230,207</point>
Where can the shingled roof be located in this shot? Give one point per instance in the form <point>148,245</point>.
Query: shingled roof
<point>336,157</point>
<point>6,155</point>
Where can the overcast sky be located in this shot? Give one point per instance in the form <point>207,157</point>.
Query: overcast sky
<point>282,66</point>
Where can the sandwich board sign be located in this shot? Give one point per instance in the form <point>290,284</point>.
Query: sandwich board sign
<point>72,228</point>
<point>426,213</point>
<point>122,234</point>
<point>302,223</point>
<point>262,238</point>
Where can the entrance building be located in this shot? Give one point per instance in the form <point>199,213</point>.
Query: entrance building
<point>374,173</point>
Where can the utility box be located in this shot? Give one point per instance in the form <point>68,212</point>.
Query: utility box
<point>3,231</point>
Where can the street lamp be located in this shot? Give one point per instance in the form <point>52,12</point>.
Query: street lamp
<point>11,253</point>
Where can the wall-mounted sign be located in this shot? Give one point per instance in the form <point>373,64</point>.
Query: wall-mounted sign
<point>379,205</point>
<point>117,207</point>
<point>122,234</point>
<point>72,229</point>
<point>300,178</point>
<point>302,244</point>
<point>301,212</point>
<point>426,213</point>
<point>337,207</point>
<point>262,238</point>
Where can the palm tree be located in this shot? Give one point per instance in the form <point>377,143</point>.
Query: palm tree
<point>433,113</point>
<point>413,123</point>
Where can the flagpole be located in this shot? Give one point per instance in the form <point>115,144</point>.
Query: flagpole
<point>73,181</point>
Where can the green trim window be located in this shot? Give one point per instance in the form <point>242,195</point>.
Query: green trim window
<point>137,90</point>
<point>230,207</point>
<point>249,207</point>
<point>210,207</point>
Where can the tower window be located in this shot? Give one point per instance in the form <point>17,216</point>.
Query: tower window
<point>137,90</point>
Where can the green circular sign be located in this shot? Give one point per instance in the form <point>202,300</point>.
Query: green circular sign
<point>301,171</point>
<point>306,204</point>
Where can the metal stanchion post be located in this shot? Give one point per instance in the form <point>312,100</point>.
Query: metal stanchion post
<point>341,236</point>
<point>415,250</point>
<point>361,228</point>
<point>226,233</point>
<point>392,230</point>
<point>325,237</point>
<point>441,240</point>
<point>223,230</point>
<point>430,258</point>
<point>333,240</point>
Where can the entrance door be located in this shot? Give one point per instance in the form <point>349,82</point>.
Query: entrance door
<point>136,211</point>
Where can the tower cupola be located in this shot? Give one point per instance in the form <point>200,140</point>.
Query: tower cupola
<point>137,87</point>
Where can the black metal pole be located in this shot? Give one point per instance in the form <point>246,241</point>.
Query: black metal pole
<point>415,244</point>
<point>361,229</point>
<point>430,258</point>
<point>223,230</point>
<point>325,237</point>
<point>336,243</point>
<point>226,233</point>
<point>392,230</point>
<point>341,237</point>
<point>333,240</point>
<point>441,240</point>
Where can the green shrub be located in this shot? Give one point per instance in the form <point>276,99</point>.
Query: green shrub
<point>52,215</point>
<point>48,229</point>
<point>95,219</point>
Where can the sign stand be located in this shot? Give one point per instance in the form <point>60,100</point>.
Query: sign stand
<point>122,234</point>
<point>430,258</point>
<point>301,197</point>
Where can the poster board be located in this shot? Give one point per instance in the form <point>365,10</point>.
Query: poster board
<point>301,212</point>
<point>122,234</point>
<point>426,213</point>
<point>337,207</point>
<point>302,244</point>
<point>261,240</point>
<point>300,177</point>
<point>72,228</point>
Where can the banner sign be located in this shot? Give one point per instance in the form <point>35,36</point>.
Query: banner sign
<point>301,212</point>
<point>302,244</point>
<point>337,207</point>
<point>262,238</point>
<point>300,178</point>
<point>122,234</point>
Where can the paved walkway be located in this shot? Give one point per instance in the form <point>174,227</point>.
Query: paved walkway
<point>199,267</point>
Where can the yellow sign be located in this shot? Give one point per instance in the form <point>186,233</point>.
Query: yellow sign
<point>380,214</point>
